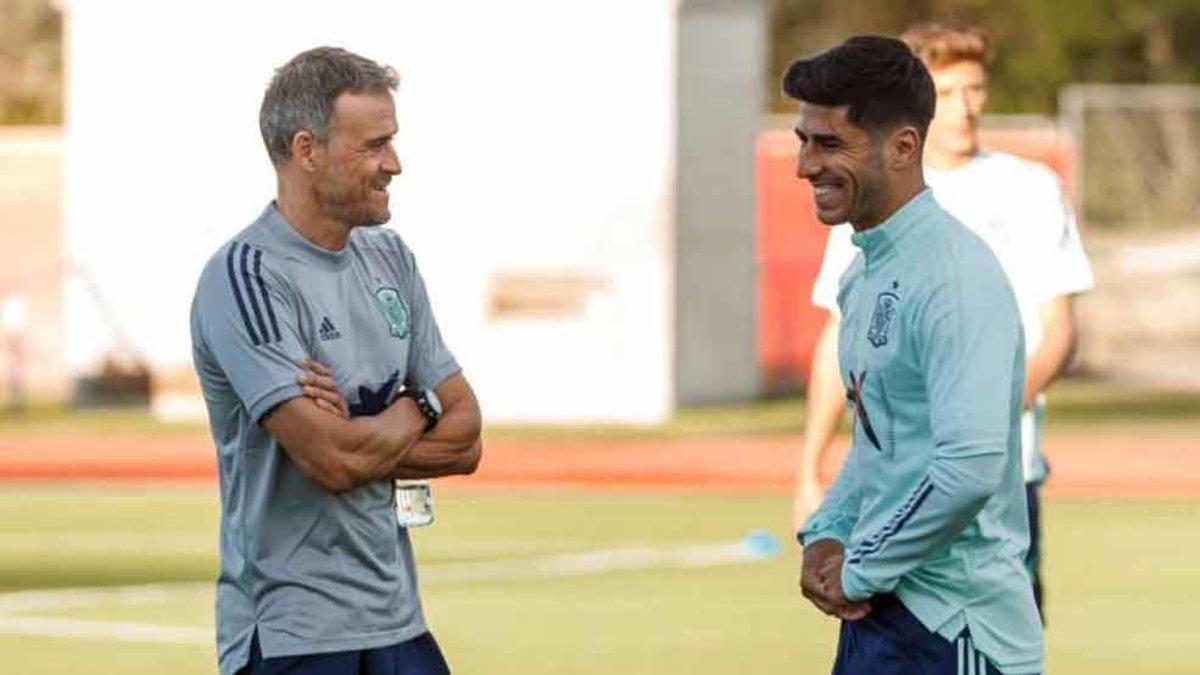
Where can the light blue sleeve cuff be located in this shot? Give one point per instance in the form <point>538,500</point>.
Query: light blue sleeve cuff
<point>854,587</point>
<point>810,537</point>
<point>826,526</point>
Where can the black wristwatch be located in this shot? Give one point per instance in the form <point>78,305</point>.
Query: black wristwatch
<point>428,403</point>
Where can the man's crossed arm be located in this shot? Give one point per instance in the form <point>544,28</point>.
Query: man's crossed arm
<point>341,453</point>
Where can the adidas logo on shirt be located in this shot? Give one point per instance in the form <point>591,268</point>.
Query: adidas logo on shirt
<point>328,331</point>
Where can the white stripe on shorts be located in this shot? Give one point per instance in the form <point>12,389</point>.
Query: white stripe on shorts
<point>970,661</point>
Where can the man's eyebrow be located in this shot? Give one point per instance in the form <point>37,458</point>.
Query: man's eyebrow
<point>823,139</point>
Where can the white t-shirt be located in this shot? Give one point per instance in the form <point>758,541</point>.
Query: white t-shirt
<point>1018,208</point>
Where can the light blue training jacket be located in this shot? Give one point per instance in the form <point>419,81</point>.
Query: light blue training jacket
<point>931,503</point>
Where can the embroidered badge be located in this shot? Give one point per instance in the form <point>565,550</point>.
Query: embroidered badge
<point>881,318</point>
<point>394,311</point>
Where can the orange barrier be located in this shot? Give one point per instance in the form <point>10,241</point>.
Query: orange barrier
<point>790,244</point>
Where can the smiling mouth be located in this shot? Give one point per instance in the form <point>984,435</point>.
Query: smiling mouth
<point>823,190</point>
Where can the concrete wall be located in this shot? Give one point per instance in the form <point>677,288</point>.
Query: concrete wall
<point>31,239</point>
<point>722,53</point>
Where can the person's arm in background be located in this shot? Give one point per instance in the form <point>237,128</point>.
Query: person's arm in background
<point>1053,354</point>
<point>1063,272</point>
<point>825,393</point>
<point>823,406</point>
<point>823,524</point>
<point>824,536</point>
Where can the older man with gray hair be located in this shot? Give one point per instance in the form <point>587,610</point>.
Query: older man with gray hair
<point>317,571</point>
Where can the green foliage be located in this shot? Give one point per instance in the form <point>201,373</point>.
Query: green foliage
<point>1038,46</point>
<point>31,62</point>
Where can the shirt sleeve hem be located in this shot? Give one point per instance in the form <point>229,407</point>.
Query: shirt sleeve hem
<point>443,373</point>
<point>1076,288</point>
<point>810,537</point>
<point>853,586</point>
<point>266,401</point>
<point>823,302</point>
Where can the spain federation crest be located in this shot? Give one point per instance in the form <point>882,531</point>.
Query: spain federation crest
<point>881,319</point>
<point>395,313</point>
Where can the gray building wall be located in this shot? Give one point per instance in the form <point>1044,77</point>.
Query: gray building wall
<point>722,53</point>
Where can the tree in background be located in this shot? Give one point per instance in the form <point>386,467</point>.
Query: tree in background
<point>1040,46</point>
<point>31,62</point>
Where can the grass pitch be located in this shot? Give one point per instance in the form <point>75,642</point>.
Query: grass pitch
<point>1120,578</point>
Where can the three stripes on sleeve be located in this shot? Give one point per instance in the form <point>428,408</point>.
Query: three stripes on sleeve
<point>894,524</point>
<point>251,292</point>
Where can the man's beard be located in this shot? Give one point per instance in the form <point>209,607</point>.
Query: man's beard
<point>345,207</point>
<point>872,192</point>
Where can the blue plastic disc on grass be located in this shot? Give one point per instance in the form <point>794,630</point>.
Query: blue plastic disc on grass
<point>761,544</point>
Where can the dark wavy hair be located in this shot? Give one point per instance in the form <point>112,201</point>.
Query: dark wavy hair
<point>880,78</point>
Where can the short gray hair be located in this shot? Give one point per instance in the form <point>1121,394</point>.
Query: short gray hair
<point>302,92</point>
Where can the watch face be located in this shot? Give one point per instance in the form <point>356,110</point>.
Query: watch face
<point>434,402</point>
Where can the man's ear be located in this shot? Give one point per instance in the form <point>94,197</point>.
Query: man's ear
<point>904,148</point>
<point>303,148</point>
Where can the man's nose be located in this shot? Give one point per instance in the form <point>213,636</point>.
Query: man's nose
<point>807,167</point>
<point>391,162</point>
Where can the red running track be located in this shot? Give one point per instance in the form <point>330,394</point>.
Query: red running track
<point>1083,466</point>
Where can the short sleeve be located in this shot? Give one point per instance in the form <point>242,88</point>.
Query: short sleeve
<point>839,253</point>
<point>429,361</point>
<point>1057,246</point>
<point>244,321</point>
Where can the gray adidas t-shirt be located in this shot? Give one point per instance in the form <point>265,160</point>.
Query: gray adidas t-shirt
<point>309,570</point>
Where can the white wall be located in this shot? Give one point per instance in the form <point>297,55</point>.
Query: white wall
<point>30,295</point>
<point>536,137</point>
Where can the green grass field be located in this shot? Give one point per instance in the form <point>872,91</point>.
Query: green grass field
<point>1121,585</point>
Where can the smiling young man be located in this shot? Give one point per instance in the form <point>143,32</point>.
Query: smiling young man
<point>317,577</point>
<point>1019,210</point>
<point>918,546</point>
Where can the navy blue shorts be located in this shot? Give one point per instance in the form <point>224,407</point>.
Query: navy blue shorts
<point>418,656</point>
<point>891,641</point>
